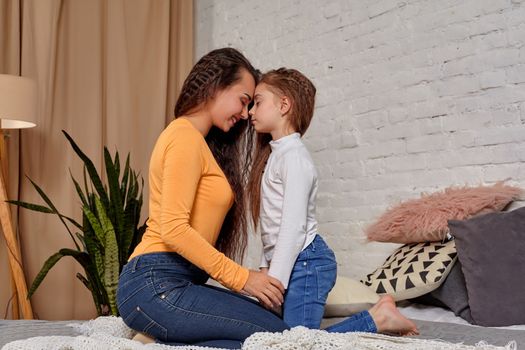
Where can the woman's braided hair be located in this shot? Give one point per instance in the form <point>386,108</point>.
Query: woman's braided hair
<point>214,72</point>
<point>301,93</point>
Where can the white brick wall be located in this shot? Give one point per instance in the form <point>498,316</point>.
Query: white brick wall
<point>413,96</point>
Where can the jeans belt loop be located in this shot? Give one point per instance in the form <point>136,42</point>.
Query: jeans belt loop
<point>134,263</point>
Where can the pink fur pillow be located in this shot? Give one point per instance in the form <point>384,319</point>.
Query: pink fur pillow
<point>425,219</point>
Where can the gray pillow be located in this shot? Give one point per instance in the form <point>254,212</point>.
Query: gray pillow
<point>452,294</point>
<point>491,249</point>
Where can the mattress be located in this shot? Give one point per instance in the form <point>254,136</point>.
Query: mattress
<point>11,330</point>
<point>438,323</point>
<point>438,314</point>
<point>433,323</point>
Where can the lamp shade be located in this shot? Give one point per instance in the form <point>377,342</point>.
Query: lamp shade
<point>17,102</point>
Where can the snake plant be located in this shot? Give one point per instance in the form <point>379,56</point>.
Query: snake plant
<point>109,230</point>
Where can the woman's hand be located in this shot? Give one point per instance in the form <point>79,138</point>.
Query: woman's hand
<point>268,290</point>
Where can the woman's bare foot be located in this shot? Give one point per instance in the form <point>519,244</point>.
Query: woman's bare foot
<point>143,338</point>
<point>389,320</point>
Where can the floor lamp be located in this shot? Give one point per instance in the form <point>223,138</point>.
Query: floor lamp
<point>17,111</point>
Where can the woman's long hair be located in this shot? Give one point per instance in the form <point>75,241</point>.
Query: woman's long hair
<point>214,72</point>
<point>301,93</point>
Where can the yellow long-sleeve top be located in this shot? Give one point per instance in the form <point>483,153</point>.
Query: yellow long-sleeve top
<point>189,199</point>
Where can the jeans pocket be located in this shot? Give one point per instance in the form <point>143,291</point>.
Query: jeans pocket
<point>170,289</point>
<point>128,279</point>
<point>326,276</point>
<point>129,286</point>
<point>140,321</point>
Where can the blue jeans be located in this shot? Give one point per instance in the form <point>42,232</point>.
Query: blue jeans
<point>164,295</point>
<point>312,278</point>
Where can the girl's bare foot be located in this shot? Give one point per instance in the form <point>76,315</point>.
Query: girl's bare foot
<point>388,319</point>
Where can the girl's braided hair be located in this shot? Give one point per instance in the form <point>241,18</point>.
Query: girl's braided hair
<point>301,93</point>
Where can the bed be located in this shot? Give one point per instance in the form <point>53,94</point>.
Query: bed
<point>433,322</point>
<point>448,285</point>
<point>438,323</point>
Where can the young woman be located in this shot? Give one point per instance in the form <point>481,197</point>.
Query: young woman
<point>283,188</point>
<point>196,224</point>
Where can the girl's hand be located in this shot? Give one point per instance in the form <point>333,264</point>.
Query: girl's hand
<point>264,270</point>
<point>268,290</point>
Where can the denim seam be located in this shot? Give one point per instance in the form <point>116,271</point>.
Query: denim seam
<point>320,270</point>
<point>129,277</point>
<point>148,260</point>
<point>260,329</point>
<point>134,265</point>
<point>173,306</point>
<point>131,295</point>
<point>152,323</point>
<point>372,327</point>
<point>306,285</point>
<point>148,283</point>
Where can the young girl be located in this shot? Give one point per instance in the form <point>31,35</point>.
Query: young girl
<point>283,187</point>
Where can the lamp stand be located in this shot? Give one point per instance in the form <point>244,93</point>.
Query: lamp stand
<point>13,249</point>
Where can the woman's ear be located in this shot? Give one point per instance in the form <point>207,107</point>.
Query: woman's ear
<point>286,105</point>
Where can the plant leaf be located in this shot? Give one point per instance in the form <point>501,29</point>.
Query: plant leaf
<point>74,222</point>
<point>116,210</point>
<point>124,183</point>
<point>94,294</point>
<point>84,281</point>
<point>31,206</point>
<point>95,224</point>
<point>79,189</point>
<point>55,210</point>
<point>81,257</point>
<point>95,250</point>
<point>117,163</point>
<point>111,258</point>
<point>92,171</point>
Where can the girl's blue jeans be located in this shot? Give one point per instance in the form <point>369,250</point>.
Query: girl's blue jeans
<point>163,295</point>
<point>313,276</point>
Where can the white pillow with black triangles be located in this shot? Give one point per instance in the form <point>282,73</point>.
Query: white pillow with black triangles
<point>413,270</point>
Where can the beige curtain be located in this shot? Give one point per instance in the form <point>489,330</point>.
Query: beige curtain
<point>108,72</point>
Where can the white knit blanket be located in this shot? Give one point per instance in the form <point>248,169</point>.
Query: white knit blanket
<point>111,333</point>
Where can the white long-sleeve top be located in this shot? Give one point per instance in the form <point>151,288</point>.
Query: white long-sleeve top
<point>287,217</point>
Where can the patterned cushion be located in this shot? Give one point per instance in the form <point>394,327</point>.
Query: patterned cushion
<point>413,270</point>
